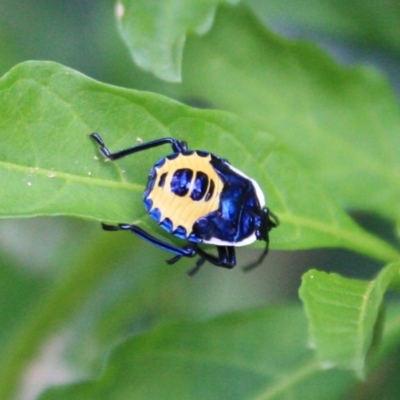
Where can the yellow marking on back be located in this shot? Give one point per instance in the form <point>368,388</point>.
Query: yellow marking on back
<point>185,211</point>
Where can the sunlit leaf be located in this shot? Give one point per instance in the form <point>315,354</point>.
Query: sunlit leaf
<point>344,315</point>
<point>344,124</point>
<point>155,31</point>
<point>52,167</point>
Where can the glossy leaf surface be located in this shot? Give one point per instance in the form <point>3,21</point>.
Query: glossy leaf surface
<point>155,31</point>
<point>52,167</point>
<point>343,123</point>
<point>344,315</point>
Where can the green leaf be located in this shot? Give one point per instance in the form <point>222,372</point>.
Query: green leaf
<point>52,167</point>
<point>17,292</point>
<point>344,315</point>
<point>343,124</point>
<point>258,355</point>
<point>371,22</point>
<point>96,286</point>
<point>155,32</point>
<point>54,303</point>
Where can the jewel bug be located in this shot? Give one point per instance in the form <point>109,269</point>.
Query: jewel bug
<point>202,199</point>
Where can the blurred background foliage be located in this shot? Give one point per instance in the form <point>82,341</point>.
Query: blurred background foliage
<point>134,291</point>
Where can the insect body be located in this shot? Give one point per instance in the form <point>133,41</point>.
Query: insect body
<point>201,198</point>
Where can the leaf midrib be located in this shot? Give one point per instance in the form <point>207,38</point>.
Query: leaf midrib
<point>359,240</point>
<point>87,180</point>
<point>283,380</point>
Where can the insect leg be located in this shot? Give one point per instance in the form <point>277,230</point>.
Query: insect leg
<point>188,251</point>
<point>226,256</point>
<point>259,260</point>
<point>176,145</point>
<point>198,264</point>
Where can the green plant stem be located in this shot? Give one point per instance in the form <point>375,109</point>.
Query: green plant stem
<point>50,312</point>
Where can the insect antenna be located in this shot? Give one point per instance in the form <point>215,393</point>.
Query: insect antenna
<point>260,259</point>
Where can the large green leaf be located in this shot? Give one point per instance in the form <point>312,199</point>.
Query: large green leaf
<point>51,167</point>
<point>155,31</point>
<point>256,355</point>
<point>344,124</point>
<point>97,286</point>
<point>344,314</point>
<point>17,292</point>
<point>34,317</point>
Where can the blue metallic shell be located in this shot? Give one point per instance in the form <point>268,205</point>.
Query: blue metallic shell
<point>236,218</point>
<point>223,202</point>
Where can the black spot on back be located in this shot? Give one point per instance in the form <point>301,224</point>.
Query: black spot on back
<point>200,186</point>
<point>161,182</point>
<point>210,190</point>
<point>180,183</point>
